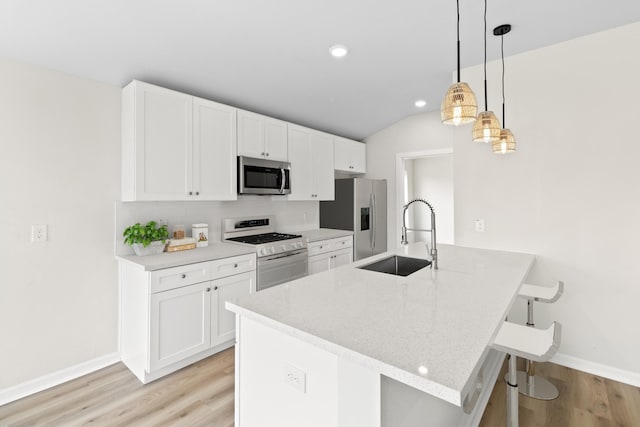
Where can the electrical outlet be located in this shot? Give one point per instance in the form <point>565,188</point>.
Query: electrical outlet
<point>39,233</point>
<point>480,225</point>
<point>295,378</point>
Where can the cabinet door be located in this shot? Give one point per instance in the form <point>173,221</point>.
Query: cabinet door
<point>302,164</point>
<point>223,322</point>
<point>214,151</point>
<point>350,156</point>
<point>180,324</point>
<point>275,139</point>
<point>323,167</point>
<point>163,143</point>
<point>340,258</point>
<point>319,263</point>
<point>359,157</point>
<point>250,134</point>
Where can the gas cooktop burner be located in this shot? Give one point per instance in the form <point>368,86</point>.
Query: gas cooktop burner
<point>258,239</point>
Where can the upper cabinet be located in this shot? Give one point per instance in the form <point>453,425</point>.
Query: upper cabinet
<point>311,158</point>
<point>350,156</point>
<point>262,137</point>
<point>176,146</point>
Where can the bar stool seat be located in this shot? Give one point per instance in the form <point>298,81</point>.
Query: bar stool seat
<point>522,341</point>
<point>529,383</point>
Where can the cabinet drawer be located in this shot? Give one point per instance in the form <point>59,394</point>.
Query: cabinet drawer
<point>171,278</point>
<point>341,243</point>
<point>321,247</point>
<point>234,265</point>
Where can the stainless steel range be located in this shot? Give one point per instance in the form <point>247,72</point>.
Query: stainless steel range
<point>281,257</point>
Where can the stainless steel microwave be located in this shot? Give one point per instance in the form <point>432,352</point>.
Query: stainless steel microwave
<point>259,176</point>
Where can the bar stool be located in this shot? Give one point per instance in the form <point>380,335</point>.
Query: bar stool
<point>522,341</point>
<point>530,384</point>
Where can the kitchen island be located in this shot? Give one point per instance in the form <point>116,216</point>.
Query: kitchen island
<point>351,347</point>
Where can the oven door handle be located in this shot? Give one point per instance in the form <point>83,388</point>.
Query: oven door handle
<point>283,178</point>
<point>276,257</point>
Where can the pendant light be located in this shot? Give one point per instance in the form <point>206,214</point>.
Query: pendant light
<point>487,126</point>
<point>459,105</point>
<point>507,142</point>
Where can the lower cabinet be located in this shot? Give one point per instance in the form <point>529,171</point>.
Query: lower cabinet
<point>180,324</point>
<point>173,317</point>
<point>329,254</point>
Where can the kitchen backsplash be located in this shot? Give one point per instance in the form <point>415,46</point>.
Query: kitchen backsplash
<point>290,216</point>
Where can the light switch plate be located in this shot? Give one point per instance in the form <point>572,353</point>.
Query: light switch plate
<point>480,225</point>
<point>295,377</point>
<point>39,233</point>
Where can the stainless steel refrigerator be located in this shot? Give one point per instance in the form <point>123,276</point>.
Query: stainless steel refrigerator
<point>360,206</point>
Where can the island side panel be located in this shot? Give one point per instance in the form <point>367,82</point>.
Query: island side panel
<point>327,390</point>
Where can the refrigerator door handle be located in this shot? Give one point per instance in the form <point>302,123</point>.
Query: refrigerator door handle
<point>374,215</point>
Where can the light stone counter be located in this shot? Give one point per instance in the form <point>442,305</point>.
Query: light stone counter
<point>324,234</point>
<point>174,259</point>
<point>429,330</point>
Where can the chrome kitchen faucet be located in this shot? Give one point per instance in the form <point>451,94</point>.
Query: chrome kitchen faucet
<point>433,251</point>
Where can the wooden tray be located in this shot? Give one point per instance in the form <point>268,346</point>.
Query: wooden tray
<point>181,247</point>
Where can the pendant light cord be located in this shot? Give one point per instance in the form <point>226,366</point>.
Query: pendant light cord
<point>504,125</point>
<point>486,107</point>
<point>458,35</point>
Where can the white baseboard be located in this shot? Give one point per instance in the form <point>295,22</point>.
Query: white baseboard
<point>47,381</point>
<point>627,377</point>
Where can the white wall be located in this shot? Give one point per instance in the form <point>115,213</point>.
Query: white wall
<point>433,180</point>
<point>570,192</point>
<point>60,139</point>
<point>420,132</point>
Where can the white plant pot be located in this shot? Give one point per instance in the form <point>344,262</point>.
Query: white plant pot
<point>153,248</point>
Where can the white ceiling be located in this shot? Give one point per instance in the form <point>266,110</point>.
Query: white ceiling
<point>273,56</point>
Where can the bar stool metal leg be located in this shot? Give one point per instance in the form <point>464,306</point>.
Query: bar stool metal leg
<point>529,383</point>
<point>512,393</point>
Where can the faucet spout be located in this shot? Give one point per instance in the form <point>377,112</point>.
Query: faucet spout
<point>433,252</point>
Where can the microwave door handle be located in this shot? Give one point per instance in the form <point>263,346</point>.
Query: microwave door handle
<point>374,219</point>
<point>282,180</point>
<point>371,219</point>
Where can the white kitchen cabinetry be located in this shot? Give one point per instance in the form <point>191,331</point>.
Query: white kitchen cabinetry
<point>350,156</point>
<point>311,158</point>
<point>180,324</point>
<point>262,137</point>
<point>176,146</point>
<point>172,317</point>
<point>329,254</point>
<point>223,322</point>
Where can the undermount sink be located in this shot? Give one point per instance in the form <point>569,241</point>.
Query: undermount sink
<point>397,265</point>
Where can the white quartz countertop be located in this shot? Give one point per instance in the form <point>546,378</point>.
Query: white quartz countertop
<point>429,330</point>
<point>324,234</point>
<point>174,259</point>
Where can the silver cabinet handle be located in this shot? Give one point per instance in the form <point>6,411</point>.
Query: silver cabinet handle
<point>197,193</point>
<point>267,154</point>
<point>262,154</point>
<point>208,289</point>
<point>190,193</point>
<point>215,288</point>
<point>235,265</point>
<point>184,276</point>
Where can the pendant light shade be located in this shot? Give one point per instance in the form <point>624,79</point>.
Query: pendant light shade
<point>487,126</point>
<point>459,105</point>
<point>507,142</point>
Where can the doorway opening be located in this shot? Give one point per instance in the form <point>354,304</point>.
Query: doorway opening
<point>426,175</point>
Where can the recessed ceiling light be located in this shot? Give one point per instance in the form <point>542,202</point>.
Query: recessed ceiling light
<point>339,51</point>
<point>421,103</point>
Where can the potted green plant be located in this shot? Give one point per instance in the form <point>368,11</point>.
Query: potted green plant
<point>146,239</point>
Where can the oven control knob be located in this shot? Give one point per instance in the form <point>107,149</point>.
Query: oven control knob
<point>272,250</point>
<point>283,248</point>
<point>263,251</point>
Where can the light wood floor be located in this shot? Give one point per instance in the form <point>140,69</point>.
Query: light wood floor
<point>202,395</point>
